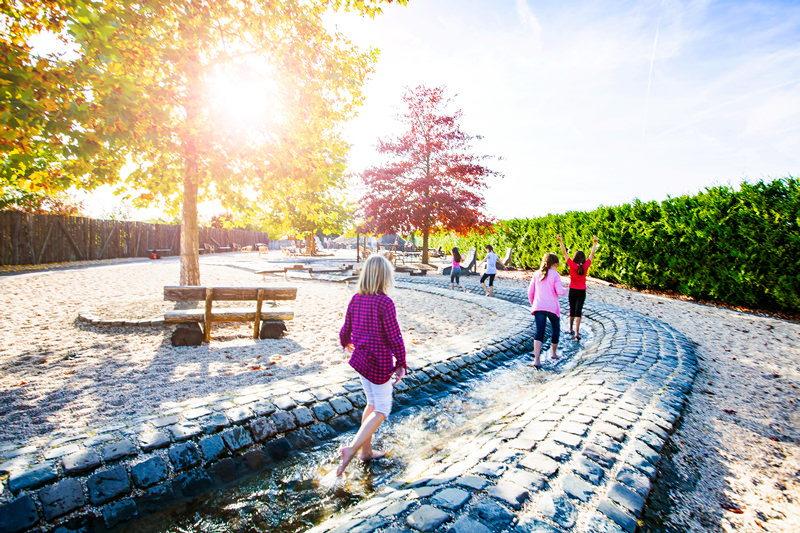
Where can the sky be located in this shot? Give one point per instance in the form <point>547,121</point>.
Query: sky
<point>593,103</point>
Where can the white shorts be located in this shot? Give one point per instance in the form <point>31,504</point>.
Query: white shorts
<point>379,396</point>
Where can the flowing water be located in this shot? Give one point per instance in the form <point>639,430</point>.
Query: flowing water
<point>302,491</point>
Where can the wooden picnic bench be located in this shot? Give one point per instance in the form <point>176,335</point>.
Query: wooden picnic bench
<point>267,323</point>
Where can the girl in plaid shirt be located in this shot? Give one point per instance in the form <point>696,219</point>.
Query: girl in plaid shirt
<point>372,336</point>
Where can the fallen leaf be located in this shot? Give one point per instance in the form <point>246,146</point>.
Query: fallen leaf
<point>255,367</point>
<point>730,411</point>
<point>21,383</point>
<point>228,357</point>
<point>732,508</point>
<point>272,362</point>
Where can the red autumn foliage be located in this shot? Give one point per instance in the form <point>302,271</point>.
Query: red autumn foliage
<point>431,179</point>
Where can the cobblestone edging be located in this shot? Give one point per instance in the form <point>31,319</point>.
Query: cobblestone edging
<point>98,480</point>
<point>579,456</point>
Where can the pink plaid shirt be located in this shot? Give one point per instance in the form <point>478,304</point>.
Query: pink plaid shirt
<point>371,327</point>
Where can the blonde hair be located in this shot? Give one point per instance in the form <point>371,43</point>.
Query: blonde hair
<point>377,276</point>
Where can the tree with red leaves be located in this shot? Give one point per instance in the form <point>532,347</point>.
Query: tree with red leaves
<point>431,179</point>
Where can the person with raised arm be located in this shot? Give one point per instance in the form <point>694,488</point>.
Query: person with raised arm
<point>578,269</point>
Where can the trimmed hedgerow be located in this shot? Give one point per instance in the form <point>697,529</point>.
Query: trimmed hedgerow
<point>739,246</point>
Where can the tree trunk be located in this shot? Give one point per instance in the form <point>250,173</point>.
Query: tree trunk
<point>311,244</point>
<point>190,232</point>
<point>425,233</point>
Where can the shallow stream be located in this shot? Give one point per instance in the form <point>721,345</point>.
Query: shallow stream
<point>302,491</point>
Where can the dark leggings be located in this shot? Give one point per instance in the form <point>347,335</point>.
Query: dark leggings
<point>576,299</point>
<point>491,279</point>
<point>455,276</point>
<point>541,318</point>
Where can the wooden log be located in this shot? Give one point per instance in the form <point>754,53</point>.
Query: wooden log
<point>272,329</point>
<point>187,335</point>
<point>226,314</point>
<point>197,294</point>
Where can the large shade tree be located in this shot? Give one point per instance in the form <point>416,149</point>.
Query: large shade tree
<point>138,88</point>
<point>431,178</point>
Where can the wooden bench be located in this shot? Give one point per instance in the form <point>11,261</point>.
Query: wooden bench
<point>266,323</point>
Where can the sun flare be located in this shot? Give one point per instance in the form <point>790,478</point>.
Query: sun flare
<point>243,100</point>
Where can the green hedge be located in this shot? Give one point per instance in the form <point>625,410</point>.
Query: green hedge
<point>740,246</point>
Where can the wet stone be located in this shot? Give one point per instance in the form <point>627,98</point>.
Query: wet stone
<point>119,512</point>
<point>61,498</point>
<point>490,469</point>
<point>236,438</point>
<point>427,518</point>
<point>491,512</point>
<point>183,456</point>
<point>577,488</point>
<point>341,405</point>
<point>468,525</point>
<point>240,414</point>
<point>510,493</point>
<point>540,463</point>
<point>117,450</point>
<point>262,428</point>
<point>423,492</point>
<point>278,449</point>
<point>532,525</point>
<point>107,485</point>
<point>472,482</point>
<point>81,461</point>
<point>559,510</point>
<point>155,498</point>
<point>625,497</point>
<point>358,399</point>
<point>451,498</point>
<point>212,447</point>
<point>18,514</point>
<point>152,440</point>
<point>149,472</point>
<point>32,478</point>
<point>213,422</point>
<point>321,432</point>
<point>303,416</point>
<point>283,421</point>
<point>369,525</point>
<point>300,438</point>
<point>588,470</point>
<point>192,483</point>
<point>323,411</point>
<point>618,515</point>
<point>263,408</point>
<point>397,508</point>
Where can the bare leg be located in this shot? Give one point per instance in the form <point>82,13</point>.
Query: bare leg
<point>364,435</point>
<point>491,290</point>
<point>451,287</point>
<point>571,320</point>
<point>577,326</point>
<point>553,355</point>
<point>484,288</point>
<point>537,350</point>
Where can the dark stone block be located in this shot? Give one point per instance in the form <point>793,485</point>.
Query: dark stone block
<point>239,414</point>
<point>618,515</point>
<point>262,429</point>
<point>577,488</point>
<point>284,403</point>
<point>184,431</point>
<point>18,514</point>
<point>600,455</point>
<point>155,499</point>
<point>626,498</point>
<point>192,483</point>
<point>635,480</point>
<point>183,456</point>
<point>341,405</point>
<point>303,416</point>
<point>300,439</point>
<point>149,472</point>
<point>559,510</point>
<point>237,438</point>
<point>80,462</point>
<point>32,478</point>
<point>213,422</point>
<point>509,493</point>
<point>321,431</point>
<point>255,460</point>
<point>493,513</point>
<point>61,498</point>
<point>468,525</point>
<point>589,470</point>
<point>323,411</point>
<point>107,485</point>
<point>278,449</point>
<point>117,450</point>
<point>87,523</point>
<point>152,440</point>
<point>283,421</point>
<point>188,335</point>
<point>263,408</point>
<point>226,470</point>
<point>532,525</point>
<point>118,512</point>
<point>358,399</point>
<point>427,518</point>
<point>212,447</point>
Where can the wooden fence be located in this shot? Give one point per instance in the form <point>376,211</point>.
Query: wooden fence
<point>34,239</point>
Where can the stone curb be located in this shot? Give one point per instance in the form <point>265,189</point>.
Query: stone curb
<point>117,473</point>
<point>583,464</point>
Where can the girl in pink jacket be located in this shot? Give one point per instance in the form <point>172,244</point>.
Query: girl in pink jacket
<point>543,294</point>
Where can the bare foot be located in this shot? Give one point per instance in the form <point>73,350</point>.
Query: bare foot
<point>554,357</point>
<point>347,455</point>
<point>373,456</point>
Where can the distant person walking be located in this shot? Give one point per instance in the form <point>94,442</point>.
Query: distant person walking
<point>578,270</point>
<point>491,270</point>
<point>543,293</point>
<point>455,271</point>
<point>372,336</point>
